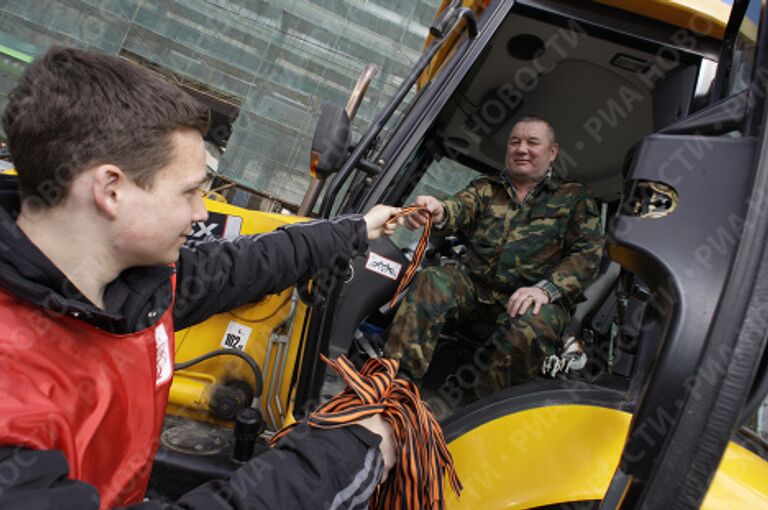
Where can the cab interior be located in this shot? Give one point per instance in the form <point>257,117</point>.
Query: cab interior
<point>604,83</point>
<point>601,94</point>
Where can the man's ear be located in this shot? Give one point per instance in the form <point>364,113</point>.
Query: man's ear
<point>108,183</point>
<point>555,150</point>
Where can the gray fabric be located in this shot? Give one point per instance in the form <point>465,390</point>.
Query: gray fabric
<point>358,493</point>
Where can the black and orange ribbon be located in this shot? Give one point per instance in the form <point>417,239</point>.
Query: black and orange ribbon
<point>416,480</point>
<point>418,254</point>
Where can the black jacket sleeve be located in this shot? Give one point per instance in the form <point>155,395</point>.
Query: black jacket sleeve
<point>217,276</point>
<point>38,479</point>
<point>309,469</point>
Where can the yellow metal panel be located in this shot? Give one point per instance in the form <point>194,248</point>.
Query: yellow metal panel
<point>254,222</point>
<point>568,453</point>
<point>539,457</point>
<point>188,388</point>
<point>741,482</point>
<point>261,317</point>
<point>707,17</point>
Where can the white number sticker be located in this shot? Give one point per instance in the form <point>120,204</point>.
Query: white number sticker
<point>236,336</point>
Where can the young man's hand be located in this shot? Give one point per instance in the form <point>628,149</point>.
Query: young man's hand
<point>377,425</point>
<point>377,221</point>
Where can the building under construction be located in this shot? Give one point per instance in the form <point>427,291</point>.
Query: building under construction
<point>264,67</point>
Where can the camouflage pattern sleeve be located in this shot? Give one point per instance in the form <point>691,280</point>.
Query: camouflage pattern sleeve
<point>583,248</point>
<point>463,208</point>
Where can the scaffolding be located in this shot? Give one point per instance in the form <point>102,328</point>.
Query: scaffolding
<point>264,66</point>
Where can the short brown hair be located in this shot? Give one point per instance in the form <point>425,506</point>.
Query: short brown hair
<point>535,118</point>
<point>73,109</point>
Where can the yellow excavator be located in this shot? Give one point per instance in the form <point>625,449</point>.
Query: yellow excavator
<point>660,110</point>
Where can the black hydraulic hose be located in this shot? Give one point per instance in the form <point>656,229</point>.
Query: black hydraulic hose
<point>229,352</point>
<point>378,124</point>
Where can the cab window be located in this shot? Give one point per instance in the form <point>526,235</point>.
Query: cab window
<point>442,179</point>
<point>744,48</point>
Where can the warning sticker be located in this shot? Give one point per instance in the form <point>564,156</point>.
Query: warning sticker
<point>383,266</point>
<point>236,336</point>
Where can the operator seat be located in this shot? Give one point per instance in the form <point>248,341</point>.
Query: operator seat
<point>460,340</point>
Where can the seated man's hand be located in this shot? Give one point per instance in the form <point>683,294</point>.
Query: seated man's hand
<point>419,219</point>
<point>377,221</point>
<point>525,297</point>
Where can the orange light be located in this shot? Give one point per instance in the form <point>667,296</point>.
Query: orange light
<point>314,160</point>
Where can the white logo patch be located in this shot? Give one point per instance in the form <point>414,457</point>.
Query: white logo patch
<point>232,227</point>
<point>383,266</point>
<point>203,230</point>
<point>163,366</point>
<point>236,336</point>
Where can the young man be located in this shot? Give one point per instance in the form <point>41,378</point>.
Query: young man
<point>95,277</point>
<point>534,245</point>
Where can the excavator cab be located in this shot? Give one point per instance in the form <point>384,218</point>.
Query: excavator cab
<point>659,109</point>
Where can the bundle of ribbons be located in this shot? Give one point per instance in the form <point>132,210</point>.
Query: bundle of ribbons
<point>423,459</point>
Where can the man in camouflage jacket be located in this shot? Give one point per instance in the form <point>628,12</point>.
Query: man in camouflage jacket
<point>534,245</point>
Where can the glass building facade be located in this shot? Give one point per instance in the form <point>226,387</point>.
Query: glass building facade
<point>265,67</point>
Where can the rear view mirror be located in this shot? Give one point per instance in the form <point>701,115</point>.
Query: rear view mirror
<point>330,144</point>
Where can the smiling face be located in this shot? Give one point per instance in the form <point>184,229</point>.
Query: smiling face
<point>530,152</point>
<point>154,222</point>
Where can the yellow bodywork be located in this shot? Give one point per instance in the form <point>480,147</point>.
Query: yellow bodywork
<point>191,388</point>
<point>707,17</point>
<point>568,453</point>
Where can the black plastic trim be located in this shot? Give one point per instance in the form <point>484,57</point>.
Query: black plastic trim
<point>757,89</point>
<point>711,415</point>
<point>684,293</point>
<point>312,367</point>
<point>717,119</point>
<point>738,10</point>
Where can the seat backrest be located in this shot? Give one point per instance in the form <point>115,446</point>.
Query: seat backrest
<point>596,293</point>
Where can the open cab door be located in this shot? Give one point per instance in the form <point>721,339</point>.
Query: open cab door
<point>694,225</point>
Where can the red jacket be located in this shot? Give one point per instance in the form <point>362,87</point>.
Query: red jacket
<point>83,389</point>
<point>96,396</point>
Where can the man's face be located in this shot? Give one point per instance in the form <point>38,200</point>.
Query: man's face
<point>530,152</point>
<point>154,223</point>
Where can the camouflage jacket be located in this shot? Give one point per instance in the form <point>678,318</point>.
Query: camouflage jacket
<point>554,235</point>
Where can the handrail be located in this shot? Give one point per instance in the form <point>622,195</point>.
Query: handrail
<point>353,103</point>
<point>378,124</point>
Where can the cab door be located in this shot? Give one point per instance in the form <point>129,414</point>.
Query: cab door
<point>694,225</point>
